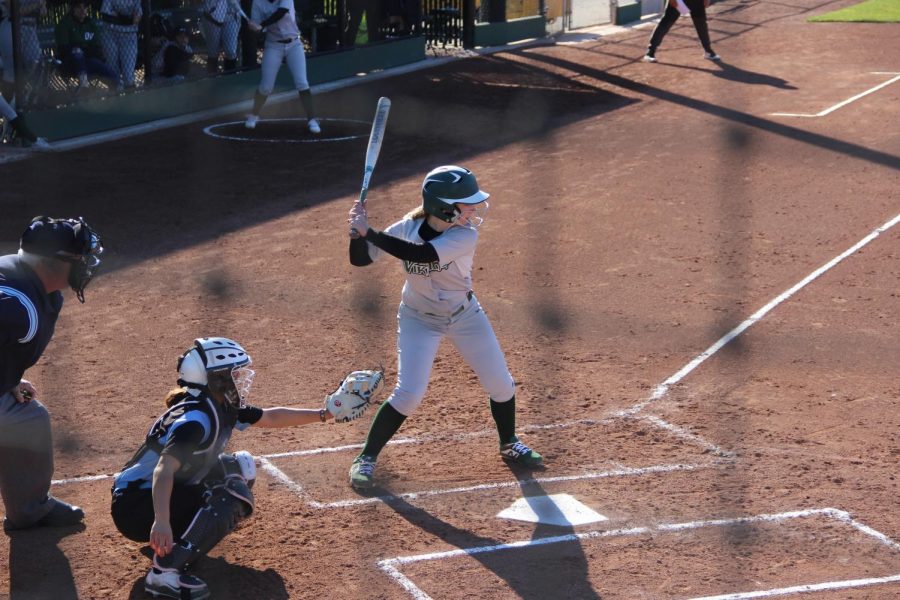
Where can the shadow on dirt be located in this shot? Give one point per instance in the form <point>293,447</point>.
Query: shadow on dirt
<point>228,580</point>
<point>49,578</point>
<point>535,572</point>
<point>161,192</point>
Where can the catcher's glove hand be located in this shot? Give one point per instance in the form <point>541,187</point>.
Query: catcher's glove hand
<point>353,397</point>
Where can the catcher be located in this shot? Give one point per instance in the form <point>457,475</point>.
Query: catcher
<point>180,491</point>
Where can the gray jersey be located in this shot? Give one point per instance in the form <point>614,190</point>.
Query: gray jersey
<point>285,28</point>
<point>440,287</point>
<point>122,9</point>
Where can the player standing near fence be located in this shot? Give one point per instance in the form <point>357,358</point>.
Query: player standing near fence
<point>220,25</point>
<point>53,254</point>
<point>120,37</point>
<point>278,20</point>
<point>674,9</point>
<point>29,46</point>
<point>436,243</point>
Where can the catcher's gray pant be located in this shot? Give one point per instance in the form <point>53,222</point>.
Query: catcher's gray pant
<point>120,45</point>
<point>26,460</point>
<point>221,38</point>
<point>418,337</point>
<point>275,52</point>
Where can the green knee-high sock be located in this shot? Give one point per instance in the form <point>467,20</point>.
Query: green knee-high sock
<point>504,414</point>
<point>384,426</point>
<point>306,101</point>
<point>258,101</point>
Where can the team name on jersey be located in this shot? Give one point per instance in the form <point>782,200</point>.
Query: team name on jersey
<point>424,269</point>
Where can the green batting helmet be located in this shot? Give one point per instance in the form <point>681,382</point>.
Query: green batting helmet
<point>446,186</point>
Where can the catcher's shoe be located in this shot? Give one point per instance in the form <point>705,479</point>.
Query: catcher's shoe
<point>519,453</point>
<point>172,584</point>
<point>362,472</point>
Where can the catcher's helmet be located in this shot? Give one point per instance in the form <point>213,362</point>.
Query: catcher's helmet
<point>70,240</point>
<point>219,364</point>
<point>446,186</point>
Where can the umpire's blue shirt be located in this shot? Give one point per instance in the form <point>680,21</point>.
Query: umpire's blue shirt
<point>27,319</point>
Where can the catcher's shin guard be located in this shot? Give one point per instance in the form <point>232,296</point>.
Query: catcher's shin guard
<point>227,504</point>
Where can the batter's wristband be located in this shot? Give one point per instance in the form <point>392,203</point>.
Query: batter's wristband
<point>322,414</point>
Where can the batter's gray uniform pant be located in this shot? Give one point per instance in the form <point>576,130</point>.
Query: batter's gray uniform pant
<point>26,460</point>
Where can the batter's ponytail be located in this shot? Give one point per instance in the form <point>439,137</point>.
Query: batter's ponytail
<point>416,213</point>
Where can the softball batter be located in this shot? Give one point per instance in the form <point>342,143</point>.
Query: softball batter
<point>278,20</point>
<point>436,243</point>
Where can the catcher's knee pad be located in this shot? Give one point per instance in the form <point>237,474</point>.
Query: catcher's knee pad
<point>227,504</point>
<point>240,464</point>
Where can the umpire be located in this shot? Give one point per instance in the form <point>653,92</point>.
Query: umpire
<point>53,254</point>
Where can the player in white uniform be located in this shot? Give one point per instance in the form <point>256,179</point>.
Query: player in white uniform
<point>220,25</point>
<point>121,20</point>
<point>279,21</point>
<point>436,243</point>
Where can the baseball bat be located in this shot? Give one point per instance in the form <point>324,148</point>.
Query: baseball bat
<point>375,138</point>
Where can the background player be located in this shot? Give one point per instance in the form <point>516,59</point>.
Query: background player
<point>53,254</point>
<point>220,25</point>
<point>436,243</point>
<point>120,37</point>
<point>697,9</point>
<point>179,491</point>
<point>279,21</point>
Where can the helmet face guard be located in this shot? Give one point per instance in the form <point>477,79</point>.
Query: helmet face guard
<point>69,240</point>
<point>220,365</point>
<point>447,186</point>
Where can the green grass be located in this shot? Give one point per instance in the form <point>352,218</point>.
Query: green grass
<point>870,11</point>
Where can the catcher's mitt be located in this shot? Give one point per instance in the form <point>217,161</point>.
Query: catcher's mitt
<point>354,395</point>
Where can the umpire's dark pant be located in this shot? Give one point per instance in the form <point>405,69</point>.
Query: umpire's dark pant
<point>26,460</point>
<point>698,16</point>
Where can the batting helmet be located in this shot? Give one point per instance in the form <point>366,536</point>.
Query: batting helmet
<point>219,364</point>
<point>446,186</point>
<point>70,240</point>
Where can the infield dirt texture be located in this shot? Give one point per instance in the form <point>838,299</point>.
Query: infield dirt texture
<point>639,213</point>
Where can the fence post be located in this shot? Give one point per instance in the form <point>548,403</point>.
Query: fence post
<point>145,45</point>
<point>468,14</point>
<point>497,11</point>
<point>16,27</point>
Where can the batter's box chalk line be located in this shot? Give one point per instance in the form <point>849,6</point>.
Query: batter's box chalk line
<point>619,471</point>
<point>392,566</point>
<point>211,131</point>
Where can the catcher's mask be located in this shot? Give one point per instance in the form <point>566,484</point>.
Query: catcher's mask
<point>220,365</point>
<point>70,240</point>
<point>447,186</point>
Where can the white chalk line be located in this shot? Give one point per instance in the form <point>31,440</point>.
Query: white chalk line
<point>800,589</point>
<point>844,103</point>
<point>619,472</point>
<point>663,388</point>
<point>390,565</point>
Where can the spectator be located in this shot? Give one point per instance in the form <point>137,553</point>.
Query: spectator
<point>120,39</point>
<point>78,46</point>
<point>29,47</point>
<point>53,254</point>
<point>173,60</point>
<point>220,25</point>
<point>674,9</point>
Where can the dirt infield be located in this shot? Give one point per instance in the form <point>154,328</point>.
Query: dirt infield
<point>640,213</point>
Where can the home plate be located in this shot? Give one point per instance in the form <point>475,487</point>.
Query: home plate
<point>558,509</point>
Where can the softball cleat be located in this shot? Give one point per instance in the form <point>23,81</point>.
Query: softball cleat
<point>362,472</point>
<point>520,454</point>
